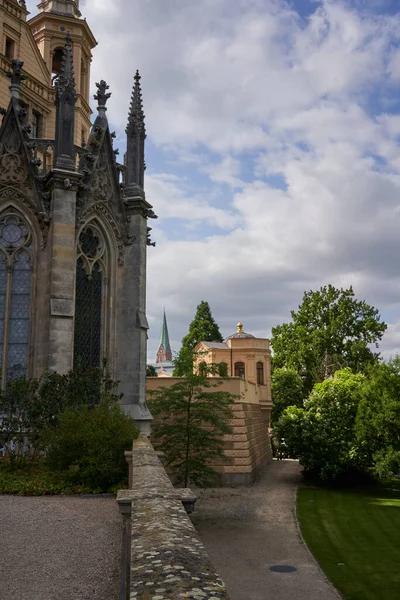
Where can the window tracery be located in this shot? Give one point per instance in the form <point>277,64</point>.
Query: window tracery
<point>15,295</point>
<point>91,280</point>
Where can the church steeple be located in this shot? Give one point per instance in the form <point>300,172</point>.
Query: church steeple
<point>136,135</point>
<point>164,352</point>
<point>65,111</point>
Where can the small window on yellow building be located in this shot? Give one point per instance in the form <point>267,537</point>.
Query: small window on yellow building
<point>203,368</point>
<point>223,369</point>
<point>9,49</point>
<point>260,373</point>
<point>240,370</point>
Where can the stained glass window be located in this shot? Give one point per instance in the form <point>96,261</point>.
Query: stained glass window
<point>89,298</point>
<point>15,296</point>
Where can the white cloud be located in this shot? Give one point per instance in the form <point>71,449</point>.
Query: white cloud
<point>297,116</point>
<point>226,171</point>
<point>170,200</point>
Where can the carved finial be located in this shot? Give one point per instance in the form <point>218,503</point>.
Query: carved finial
<point>16,77</point>
<point>240,327</point>
<point>23,4</point>
<point>65,83</point>
<point>136,114</point>
<point>102,96</point>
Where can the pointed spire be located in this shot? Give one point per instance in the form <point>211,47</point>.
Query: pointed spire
<point>164,352</point>
<point>136,135</point>
<point>16,77</point>
<point>136,114</point>
<point>65,111</point>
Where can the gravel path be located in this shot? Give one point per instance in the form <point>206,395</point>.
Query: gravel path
<point>246,531</point>
<point>59,548</point>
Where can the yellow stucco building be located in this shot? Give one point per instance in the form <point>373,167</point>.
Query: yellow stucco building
<point>247,363</point>
<point>39,43</point>
<point>245,356</point>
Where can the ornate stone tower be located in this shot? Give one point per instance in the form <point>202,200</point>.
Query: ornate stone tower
<point>73,242</point>
<point>133,333</point>
<point>49,27</point>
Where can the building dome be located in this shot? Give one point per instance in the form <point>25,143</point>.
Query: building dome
<point>239,333</point>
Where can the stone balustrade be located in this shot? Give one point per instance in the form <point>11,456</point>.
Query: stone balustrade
<point>166,559</point>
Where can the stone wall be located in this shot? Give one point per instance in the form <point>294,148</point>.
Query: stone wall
<point>248,447</point>
<point>166,558</point>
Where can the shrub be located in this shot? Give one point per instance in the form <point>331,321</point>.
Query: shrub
<point>322,434</point>
<point>27,406</point>
<point>21,419</point>
<point>89,442</point>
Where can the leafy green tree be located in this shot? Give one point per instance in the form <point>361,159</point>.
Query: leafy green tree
<point>151,371</point>
<point>88,442</point>
<point>203,328</point>
<point>322,435</point>
<point>330,330</point>
<point>191,418</point>
<point>287,390</point>
<point>378,418</point>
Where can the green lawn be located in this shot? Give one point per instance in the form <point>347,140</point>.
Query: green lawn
<point>355,536</point>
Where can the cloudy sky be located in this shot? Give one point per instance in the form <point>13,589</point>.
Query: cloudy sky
<point>273,151</point>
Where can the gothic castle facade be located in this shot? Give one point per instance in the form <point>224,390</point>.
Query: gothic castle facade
<point>73,220</point>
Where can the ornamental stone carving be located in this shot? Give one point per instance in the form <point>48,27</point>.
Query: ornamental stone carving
<point>101,190</point>
<point>12,169</point>
<point>122,237</point>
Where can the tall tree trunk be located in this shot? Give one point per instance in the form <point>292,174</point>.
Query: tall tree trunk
<point>187,439</point>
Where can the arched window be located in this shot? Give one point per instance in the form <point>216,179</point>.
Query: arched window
<point>89,292</point>
<point>240,370</point>
<point>260,373</point>
<point>56,63</point>
<point>203,368</point>
<point>223,369</point>
<point>15,296</point>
